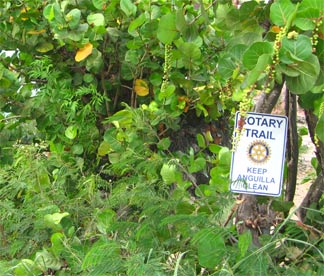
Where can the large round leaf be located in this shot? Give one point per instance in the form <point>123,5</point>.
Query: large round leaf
<point>298,49</point>
<point>167,30</point>
<point>226,67</point>
<point>308,72</point>
<point>73,18</point>
<point>190,54</point>
<point>253,53</point>
<point>96,19</point>
<point>128,7</point>
<point>280,12</point>
<point>99,4</point>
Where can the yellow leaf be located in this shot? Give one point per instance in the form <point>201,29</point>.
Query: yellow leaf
<point>24,10</point>
<point>35,32</point>
<point>141,87</point>
<point>83,52</point>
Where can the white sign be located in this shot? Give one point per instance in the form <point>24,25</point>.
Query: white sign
<point>258,160</point>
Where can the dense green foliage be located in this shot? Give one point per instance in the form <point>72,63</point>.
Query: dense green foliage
<point>92,96</point>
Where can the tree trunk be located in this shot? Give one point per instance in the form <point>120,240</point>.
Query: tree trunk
<point>292,145</point>
<point>317,188</point>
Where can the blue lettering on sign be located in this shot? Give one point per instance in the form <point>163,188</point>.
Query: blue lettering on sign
<point>254,133</point>
<point>241,185</point>
<point>263,121</point>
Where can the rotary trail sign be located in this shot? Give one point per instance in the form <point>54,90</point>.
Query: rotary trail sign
<point>258,160</point>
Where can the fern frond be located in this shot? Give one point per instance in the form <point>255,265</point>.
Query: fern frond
<point>103,257</point>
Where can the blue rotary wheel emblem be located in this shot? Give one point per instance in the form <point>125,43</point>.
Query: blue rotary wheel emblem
<point>259,152</point>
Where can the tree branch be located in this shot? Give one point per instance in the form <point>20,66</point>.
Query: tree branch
<point>292,145</point>
<point>316,190</point>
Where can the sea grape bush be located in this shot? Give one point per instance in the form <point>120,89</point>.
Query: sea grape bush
<point>92,96</point>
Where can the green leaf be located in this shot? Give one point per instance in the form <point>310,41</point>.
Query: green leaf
<point>132,57</point>
<point>201,141</point>
<point>225,156</point>
<point>197,165</point>
<point>295,49</point>
<point>169,173</point>
<point>164,144</point>
<point>53,13</point>
<point>214,148</point>
<point>104,148</point>
<point>167,31</point>
<point>44,47</point>
<point>314,4</point>
<point>287,70</point>
<point>99,4</point>
<point>71,132</point>
<point>308,72</point>
<point>226,67</point>
<point>95,61</point>
<point>190,54</point>
<point>167,93</point>
<point>181,23</point>
<point>203,190</point>
<point>96,19</point>
<point>48,12</point>
<point>55,218</point>
<point>27,267</point>
<point>320,128</point>
<point>252,76</point>
<point>237,51</point>
<point>244,242</point>
<point>188,30</point>
<point>251,57</point>
<point>102,258</point>
<point>104,220</point>
<point>77,149</point>
<point>73,18</point>
<point>57,244</point>
<point>280,11</point>
<point>282,206</point>
<point>137,22</point>
<point>43,179</point>
<point>211,248</point>
<point>128,7</point>
<point>114,143</point>
<point>304,24</point>
<point>122,118</point>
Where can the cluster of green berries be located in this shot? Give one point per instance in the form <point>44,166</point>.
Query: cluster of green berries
<point>226,92</point>
<point>245,105</point>
<point>318,22</point>
<point>270,72</point>
<point>321,110</point>
<point>167,66</point>
<point>277,44</point>
<point>237,137</point>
